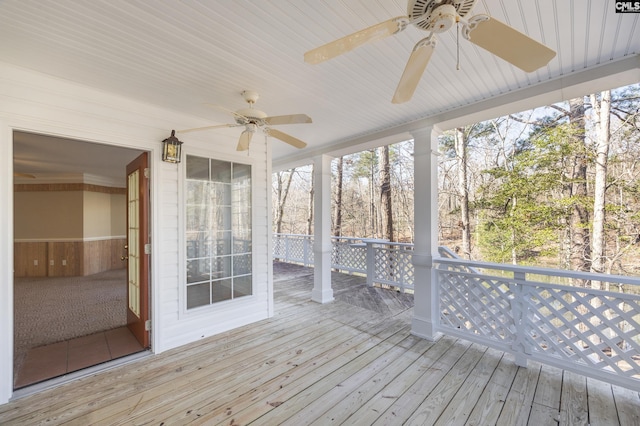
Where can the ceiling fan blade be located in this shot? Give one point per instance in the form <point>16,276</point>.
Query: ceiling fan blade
<point>414,69</point>
<point>221,108</point>
<point>286,138</point>
<point>511,45</point>
<point>350,42</point>
<point>238,117</point>
<point>288,119</point>
<point>207,128</point>
<point>245,139</point>
<point>24,175</point>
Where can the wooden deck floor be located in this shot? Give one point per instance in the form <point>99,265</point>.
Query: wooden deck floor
<point>350,362</point>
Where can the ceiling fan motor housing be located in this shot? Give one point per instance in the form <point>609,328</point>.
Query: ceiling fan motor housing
<point>436,17</point>
<point>253,115</point>
<point>250,115</point>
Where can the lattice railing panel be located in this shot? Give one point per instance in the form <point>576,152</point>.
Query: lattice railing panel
<point>480,305</point>
<point>296,248</point>
<point>293,248</point>
<point>393,267</point>
<point>278,247</point>
<point>349,256</point>
<point>591,331</point>
<point>589,327</point>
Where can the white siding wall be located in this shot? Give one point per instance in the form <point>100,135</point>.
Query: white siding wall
<point>37,103</point>
<point>178,326</point>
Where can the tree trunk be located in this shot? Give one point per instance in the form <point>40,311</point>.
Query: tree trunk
<point>385,194</point>
<point>372,206</point>
<point>602,109</point>
<point>337,223</point>
<point>514,237</point>
<point>310,205</point>
<point>579,250</point>
<point>282,193</point>
<point>463,190</point>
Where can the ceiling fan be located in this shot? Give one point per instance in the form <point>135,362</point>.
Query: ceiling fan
<point>253,120</point>
<point>435,17</point>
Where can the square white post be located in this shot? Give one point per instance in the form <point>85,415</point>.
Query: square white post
<point>371,262</point>
<point>426,315</point>
<point>322,291</point>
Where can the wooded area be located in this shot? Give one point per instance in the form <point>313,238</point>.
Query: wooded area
<point>556,186</point>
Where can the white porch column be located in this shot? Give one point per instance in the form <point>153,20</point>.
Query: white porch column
<point>6,264</point>
<point>425,311</point>
<point>322,291</point>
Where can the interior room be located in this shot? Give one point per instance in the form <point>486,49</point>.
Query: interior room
<point>69,256</point>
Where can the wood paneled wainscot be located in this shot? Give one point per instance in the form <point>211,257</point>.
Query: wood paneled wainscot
<point>103,255</point>
<point>30,259</point>
<point>67,258</point>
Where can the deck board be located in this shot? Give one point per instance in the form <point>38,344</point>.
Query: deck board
<point>573,403</point>
<point>219,383</point>
<point>628,405</point>
<point>517,406</point>
<point>459,408</point>
<point>352,362</point>
<point>290,410</point>
<point>546,402</point>
<point>352,398</point>
<point>490,403</point>
<point>383,399</point>
<point>601,409</point>
<point>433,406</point>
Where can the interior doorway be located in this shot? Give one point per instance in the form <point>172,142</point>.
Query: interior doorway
<point>70,257</point>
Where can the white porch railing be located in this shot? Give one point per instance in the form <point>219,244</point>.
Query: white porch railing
<point>293,248</point>
<point>547,315</point>
<point>378,260</point>
<point>525,311</point>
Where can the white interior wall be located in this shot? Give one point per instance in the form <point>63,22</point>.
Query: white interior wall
<point>37,103</point>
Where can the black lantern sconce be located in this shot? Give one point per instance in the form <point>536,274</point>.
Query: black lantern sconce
<point>171,149</point>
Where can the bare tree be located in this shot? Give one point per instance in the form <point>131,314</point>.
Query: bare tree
<point>373,213</point>
<point>337,221</point>
<point>602,110</point>
<point>460,144</point>
<point>402,190</point>
<point>385,194</point>
<point>580,249</point>
<point>310,205</point>
<point>283,183</point>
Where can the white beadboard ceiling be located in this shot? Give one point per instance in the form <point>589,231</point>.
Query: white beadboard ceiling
<point>182,54</point>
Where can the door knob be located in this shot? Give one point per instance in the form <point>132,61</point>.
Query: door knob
<point>123,258</point>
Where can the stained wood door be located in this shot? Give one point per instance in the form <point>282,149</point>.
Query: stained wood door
<point>138,248</point>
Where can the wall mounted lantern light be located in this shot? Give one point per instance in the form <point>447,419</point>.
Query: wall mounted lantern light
<point>171,149</point>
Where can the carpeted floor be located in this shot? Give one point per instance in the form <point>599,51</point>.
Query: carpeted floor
<point>49,310</point>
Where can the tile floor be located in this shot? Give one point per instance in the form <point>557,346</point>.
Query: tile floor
<point>46,362</point>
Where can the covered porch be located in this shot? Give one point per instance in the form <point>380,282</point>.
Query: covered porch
<point>353,361</point>
<point>125,74</point>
